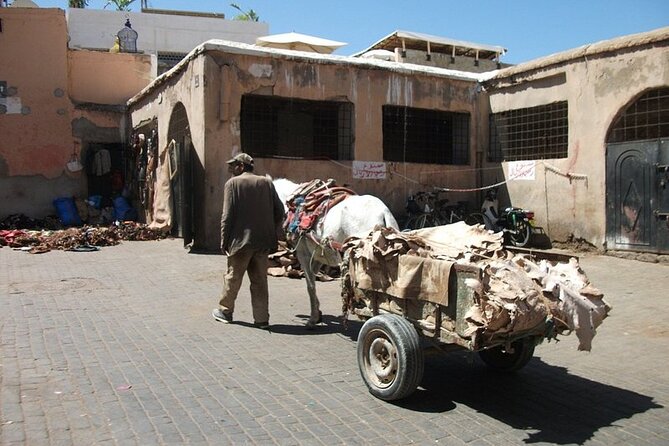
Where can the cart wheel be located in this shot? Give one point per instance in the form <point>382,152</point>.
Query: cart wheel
<point>499,359</point>
<point>390,358</point>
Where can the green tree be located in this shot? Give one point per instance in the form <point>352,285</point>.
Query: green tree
<point>249,16</point>
<point>77,3</point>
<point>121,5</point>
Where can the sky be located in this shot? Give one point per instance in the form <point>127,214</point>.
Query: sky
<point>528,29</point>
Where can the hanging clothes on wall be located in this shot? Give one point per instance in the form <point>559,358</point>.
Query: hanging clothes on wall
<point>99,162</point>
<point>162,199</point>
<point>102,162</point>
<point>150,177</point>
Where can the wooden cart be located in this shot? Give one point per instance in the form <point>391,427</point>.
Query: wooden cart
<point>390,343</point>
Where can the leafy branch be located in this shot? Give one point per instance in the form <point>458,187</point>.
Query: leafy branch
<point>249,16</point>
<point>121,5</point>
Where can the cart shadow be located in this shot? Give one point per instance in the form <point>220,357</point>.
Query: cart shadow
<point>559,407</point>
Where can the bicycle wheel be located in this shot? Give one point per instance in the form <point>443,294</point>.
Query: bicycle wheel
<point>460,212</point>
<point>426,221</point>
<point>410,224</point>
<point>456,215</point>
<point>475,219</point>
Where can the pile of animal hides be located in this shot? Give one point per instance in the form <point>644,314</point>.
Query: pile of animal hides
<point>514,294</point>
<point>86,238</point>
<point>284,263</point>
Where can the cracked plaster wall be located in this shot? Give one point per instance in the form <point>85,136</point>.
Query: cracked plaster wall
<point>597,89</point>
<point>229,77</point>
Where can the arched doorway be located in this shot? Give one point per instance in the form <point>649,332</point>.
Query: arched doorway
<point>637,175</point>
<point>183,197</point>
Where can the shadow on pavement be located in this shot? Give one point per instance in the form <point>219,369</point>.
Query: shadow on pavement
<point>561,408</point>
<point>330,325</point>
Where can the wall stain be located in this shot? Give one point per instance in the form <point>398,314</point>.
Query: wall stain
<point>305,75</point>
<point>87,130</point>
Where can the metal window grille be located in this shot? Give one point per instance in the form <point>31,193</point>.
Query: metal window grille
<point>530,133</point>
<point>286,127</point>
<point>168,60</point>
<point>646,118</point>
<point>417,135</point>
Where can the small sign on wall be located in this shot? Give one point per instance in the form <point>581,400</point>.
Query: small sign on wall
<point>369,170</point>
<point>522,170</point>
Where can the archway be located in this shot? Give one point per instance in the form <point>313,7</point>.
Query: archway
<point>637,175</point>
<point>182,158</point>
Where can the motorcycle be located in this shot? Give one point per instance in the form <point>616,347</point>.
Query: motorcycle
<point>517,224</point>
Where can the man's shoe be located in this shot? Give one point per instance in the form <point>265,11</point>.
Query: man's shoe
<point>261,325</point>
<point>220,316</point>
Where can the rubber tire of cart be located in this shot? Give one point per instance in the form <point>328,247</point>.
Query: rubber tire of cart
<point>499,360</point>
<point>390,357</point>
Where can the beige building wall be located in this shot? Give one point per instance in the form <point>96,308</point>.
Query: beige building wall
<point>598,82</point>
<point>35,115</point>
<point>464,63</point>
<point>213,84</point>
<point>55,105</point>
<point>158,32</point>
<point>107,78</point>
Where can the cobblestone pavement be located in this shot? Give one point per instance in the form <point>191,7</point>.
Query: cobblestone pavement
<point>119,347</point>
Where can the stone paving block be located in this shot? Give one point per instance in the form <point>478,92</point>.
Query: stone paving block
<point>60,441</point>
<point>13,433</point>
<point>189,372</point>
<point>36,435</point>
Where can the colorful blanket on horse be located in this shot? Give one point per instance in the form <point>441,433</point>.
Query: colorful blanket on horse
<point>311,202</point>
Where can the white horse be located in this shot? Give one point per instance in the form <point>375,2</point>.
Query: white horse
<point>357,215</point>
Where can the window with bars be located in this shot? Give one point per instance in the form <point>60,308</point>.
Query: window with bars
<point>529,133</point>
<point>168,60</point>
<point>416,135</point>
<point>646,118</point>
<point>286,127</point>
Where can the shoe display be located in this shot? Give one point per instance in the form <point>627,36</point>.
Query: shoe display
<point>220,316</point>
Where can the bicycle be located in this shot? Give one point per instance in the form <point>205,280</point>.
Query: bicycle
<point>450,213</point>
<point>420,208</point>
<point>426,210</point>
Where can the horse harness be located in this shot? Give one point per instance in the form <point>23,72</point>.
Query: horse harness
<point>307,208</point>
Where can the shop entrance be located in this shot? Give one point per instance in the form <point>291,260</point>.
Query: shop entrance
<point>637,176</point>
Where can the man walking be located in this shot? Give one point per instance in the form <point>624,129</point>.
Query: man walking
<point>252,213</point>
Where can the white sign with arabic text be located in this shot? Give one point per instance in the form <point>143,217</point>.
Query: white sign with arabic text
<point>369,170</point>
<point>522,170</point>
